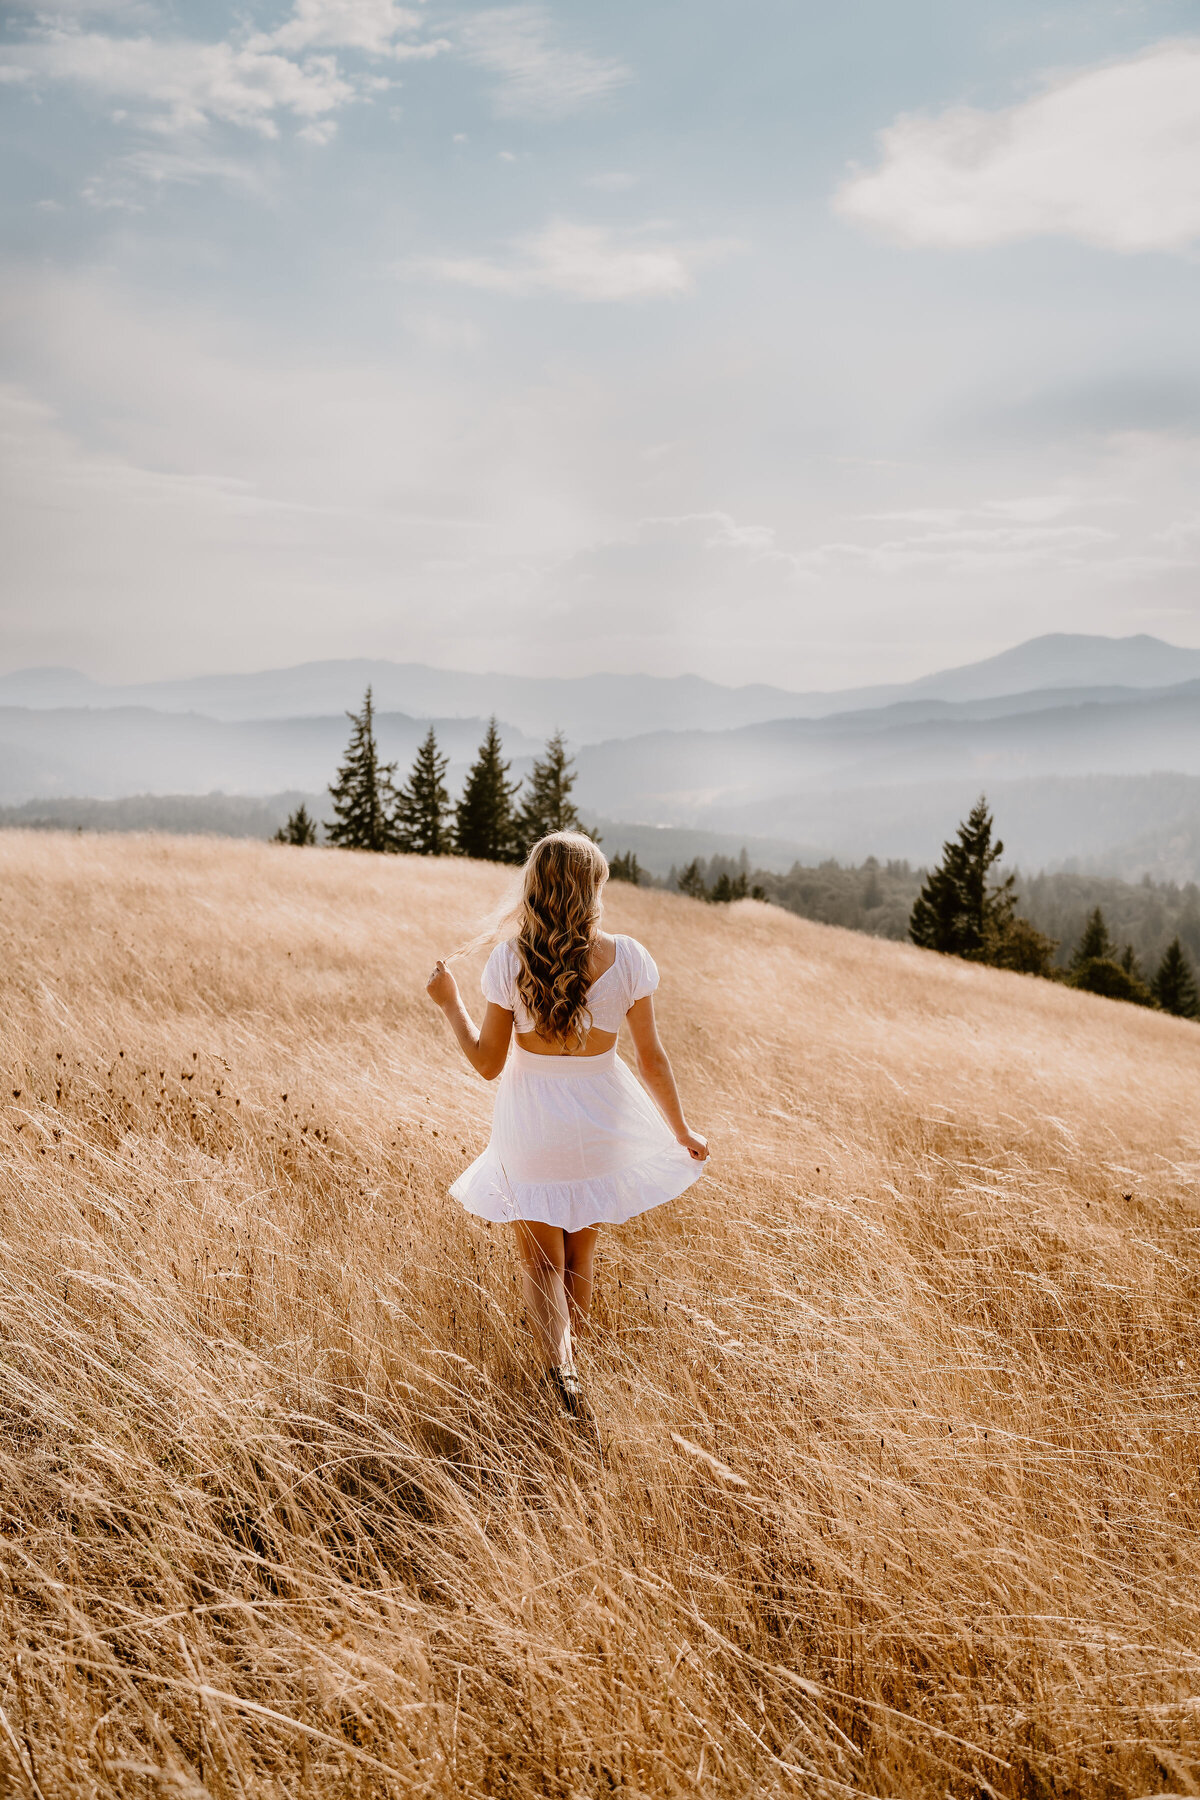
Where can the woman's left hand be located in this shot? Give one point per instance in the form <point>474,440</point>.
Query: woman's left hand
<point>441,986</point>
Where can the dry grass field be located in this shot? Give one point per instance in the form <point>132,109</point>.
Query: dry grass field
<point>893,1488</point>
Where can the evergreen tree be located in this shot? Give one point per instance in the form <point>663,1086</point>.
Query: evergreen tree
<point>547,804</point>
<point>1095,945</point>
<point>956,911</point>
<point>1174,983</point>
<point>1022,947</point>
<point>300,828</point>
<point>691,881</point>
<point>1104,975</point>
<point>484,825</point>
<point>1097,969</point>
<point>423,804</point>
<point>730,887</point>
<point>363,796</point>
<point>626,867</point>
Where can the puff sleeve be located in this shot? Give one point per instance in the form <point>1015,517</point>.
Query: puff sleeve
<point>498,980</point>
<point>643,973</point>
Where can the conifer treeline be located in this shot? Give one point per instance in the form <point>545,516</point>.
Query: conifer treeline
<point>961,912</point>
<point>495,819</point>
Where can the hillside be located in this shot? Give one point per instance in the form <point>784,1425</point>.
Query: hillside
<point>894,1486</point>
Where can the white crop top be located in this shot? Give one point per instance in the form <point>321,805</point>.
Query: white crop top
<point>632,976</point>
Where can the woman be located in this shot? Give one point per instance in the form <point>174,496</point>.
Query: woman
<point>576,1143</point>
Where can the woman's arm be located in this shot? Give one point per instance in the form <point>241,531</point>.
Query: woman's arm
<point>486,1050</point>
<point>654,1067</point>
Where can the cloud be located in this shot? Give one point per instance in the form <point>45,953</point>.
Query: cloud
<point>724,533</point>
<point>374,27</point>
<point>123,184</point>
<point>990,538</point>
<point>180,85</point>
<point>320,132</point>
<point>578,262</point>
<point>538,77</point>
<point>985,547</point>
<point>370,25</point>
<point>1109,155</point>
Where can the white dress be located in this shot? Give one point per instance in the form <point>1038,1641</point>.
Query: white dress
<point>576,1140</point>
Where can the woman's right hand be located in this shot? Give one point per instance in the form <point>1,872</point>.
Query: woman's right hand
<point>695,1145</point>
<point>441,986</point>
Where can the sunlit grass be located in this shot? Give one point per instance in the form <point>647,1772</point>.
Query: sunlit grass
<point>894,1483</point>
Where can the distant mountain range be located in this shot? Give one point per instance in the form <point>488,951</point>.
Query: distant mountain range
<point>763,776</point>
<point>592,708</point>
<point>1091,751</point>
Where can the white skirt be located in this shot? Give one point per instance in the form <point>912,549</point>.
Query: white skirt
<point>576,1141</point>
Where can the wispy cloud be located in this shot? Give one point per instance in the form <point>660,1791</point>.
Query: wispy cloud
<point>180,85</point>
<point>724,532</point>
<point>124,184</point>
<point>1108,155</point>
<point>578,262</point>
<point>373,27</point>
<point>538,76</point>
<point>370,25</point>
<point>176,85</point>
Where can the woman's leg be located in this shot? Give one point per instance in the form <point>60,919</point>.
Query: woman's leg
<point>543,1267</point>
<point>579,1251</point>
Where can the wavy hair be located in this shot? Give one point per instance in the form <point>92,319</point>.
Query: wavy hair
<point>556,922</point>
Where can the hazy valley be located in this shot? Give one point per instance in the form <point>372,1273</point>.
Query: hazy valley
<point>1094,759</point>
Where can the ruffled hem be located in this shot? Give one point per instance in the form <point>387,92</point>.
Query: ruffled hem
<point>484,1190</point>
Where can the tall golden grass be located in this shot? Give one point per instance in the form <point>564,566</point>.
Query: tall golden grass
<point>893,1483</point>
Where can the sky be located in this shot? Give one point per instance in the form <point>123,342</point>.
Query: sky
<point>769,341</point>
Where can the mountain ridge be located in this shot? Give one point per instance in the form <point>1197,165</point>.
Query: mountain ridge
<point>591,708</point>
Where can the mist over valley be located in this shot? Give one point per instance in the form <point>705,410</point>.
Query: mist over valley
<point>1094,761</point>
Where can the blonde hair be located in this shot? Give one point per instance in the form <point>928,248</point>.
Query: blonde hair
<point>557,919</point>
<point>551,919</point>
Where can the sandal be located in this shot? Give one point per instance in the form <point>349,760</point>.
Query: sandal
<point>567,1387</point>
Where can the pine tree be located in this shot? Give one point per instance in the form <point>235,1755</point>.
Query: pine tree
<point>484,825</point>
<point>730,887</point>
<point>1174,983</point>
<point>956,911</point>
<point>300,828</point>
<point>691,881</point>
<point>626,867</point>
<point>547,804</point>
<point>1097,968</point>
<point>423,804</point>
<point>1095,945</point>
<point>363,795</point>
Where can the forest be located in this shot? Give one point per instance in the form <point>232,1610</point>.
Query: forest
<point>878,898</point>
